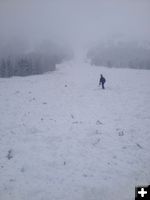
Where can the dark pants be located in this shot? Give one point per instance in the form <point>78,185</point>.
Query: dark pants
<point>103,86</point>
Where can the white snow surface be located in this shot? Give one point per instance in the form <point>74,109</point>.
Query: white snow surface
<point>64,138</point>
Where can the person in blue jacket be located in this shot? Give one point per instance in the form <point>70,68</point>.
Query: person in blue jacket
<point>102,81</point>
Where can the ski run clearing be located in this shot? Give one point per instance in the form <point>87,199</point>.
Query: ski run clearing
<point>64,138</point>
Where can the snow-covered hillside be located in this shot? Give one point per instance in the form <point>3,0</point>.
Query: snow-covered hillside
<point>64,138</point>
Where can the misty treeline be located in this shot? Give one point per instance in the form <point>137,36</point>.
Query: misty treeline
<point>121,54</point>
<point>16,59</point>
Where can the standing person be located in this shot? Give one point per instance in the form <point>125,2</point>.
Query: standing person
<point>102,81</point>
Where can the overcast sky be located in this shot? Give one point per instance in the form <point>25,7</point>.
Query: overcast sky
<point>75,21</point>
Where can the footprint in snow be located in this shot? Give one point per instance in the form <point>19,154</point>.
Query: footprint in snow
<point>96,142</point>
<point>77,122</point>
<point>120,132</point>
<point>98,122</point>
<point>10,154</point>
<point>97,132</point>
<point>72,116</point>
<point>138,145</point>
<point>22,169</point>
<point>17,92</point>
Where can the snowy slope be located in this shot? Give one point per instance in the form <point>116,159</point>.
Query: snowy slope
<point>64,138</point>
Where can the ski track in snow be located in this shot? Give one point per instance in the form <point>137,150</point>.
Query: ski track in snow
<point>64,138</point>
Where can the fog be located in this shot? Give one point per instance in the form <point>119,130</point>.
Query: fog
<point>74,22</point>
